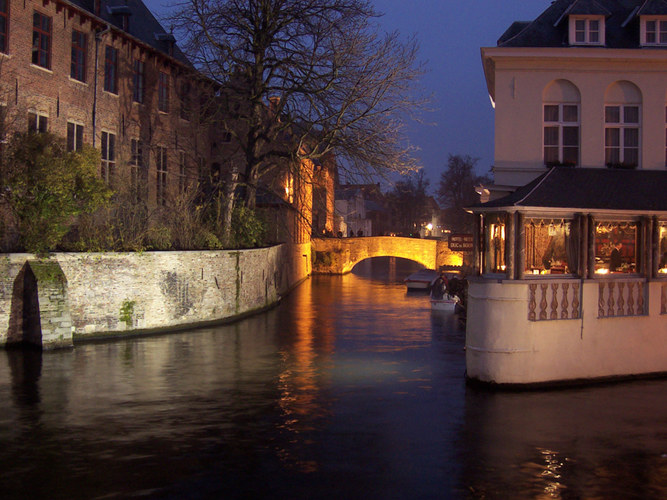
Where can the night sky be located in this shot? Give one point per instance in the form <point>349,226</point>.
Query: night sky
<point>450,34</point>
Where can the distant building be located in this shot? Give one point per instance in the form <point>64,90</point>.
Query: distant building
<point>570,274</point>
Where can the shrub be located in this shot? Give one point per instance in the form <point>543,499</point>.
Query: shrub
<point>45,187</point>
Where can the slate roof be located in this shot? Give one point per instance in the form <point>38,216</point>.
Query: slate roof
<point>142,24</point>
<point>550,29</point>
<point>590,189</point>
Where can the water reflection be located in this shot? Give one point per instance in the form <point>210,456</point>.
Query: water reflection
<point>351,388</point>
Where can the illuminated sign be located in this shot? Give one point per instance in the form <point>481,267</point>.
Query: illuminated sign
<point>460,242</point>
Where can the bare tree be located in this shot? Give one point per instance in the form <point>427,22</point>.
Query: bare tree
<point>457,191</point>
<point>305,79</point>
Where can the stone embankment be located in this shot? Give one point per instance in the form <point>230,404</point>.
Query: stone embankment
<point>53,302</point>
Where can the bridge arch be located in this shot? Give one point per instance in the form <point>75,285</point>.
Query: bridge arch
<point>340,255</point>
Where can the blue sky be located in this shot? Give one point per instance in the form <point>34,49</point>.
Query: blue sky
<point>450,33</point>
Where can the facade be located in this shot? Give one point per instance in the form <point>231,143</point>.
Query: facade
<point>570,265</point>
<point>106,74</point>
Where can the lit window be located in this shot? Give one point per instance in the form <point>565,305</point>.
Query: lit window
<point>163,92</point>
<point>663,248</point>
<point>4,25</point>
<point>138,81</point>
<point>108,156</point>
<point>655,32</point>
<point>74,136</point>
<point>550,246</point>
<point>494,243</point>
<point>161,185</point>
<point>41,40</point>
<point>621,139</point>
<point>37,123</point>
<point>616,247</point>
<point>587,30</point>
<point>111,70</point>
<point>561,134</point>
<point>78,66</point>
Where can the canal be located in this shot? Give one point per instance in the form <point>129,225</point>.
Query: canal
<point>351,388</point>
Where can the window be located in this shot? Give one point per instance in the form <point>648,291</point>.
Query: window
<point>186,105</point>
<point>37,123</point>
<point>663,248</point>
<point>111,70</point>
<point>665,136</point>
<point>616,247</point>
<point>138,79</point>
<point>78,66</point>
<point>4,25</point>
<point>494,243</point>
<point>550,246</point>
<point>163,92</point>
<point>561,134</point>
<point>137,170</point>
<point>621,138</point>
<point>161,164</point>
<point>41,40</point>
<point>108,156</point>
<point>587,30</point>
<point>654,31</point>
<point>182,172</point>
<point>74,136</point>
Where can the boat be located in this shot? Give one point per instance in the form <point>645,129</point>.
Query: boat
<point>445,303</point>
<point>421,280</point>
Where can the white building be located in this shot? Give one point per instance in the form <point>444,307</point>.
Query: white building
<point>580,97</point>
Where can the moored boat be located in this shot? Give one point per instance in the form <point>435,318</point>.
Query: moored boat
<point>421,280</point>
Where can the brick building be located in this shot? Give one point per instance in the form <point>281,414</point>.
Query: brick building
<point>105,73</point>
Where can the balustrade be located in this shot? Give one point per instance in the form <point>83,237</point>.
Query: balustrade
<point>621,298</point>
<point>551,300</point>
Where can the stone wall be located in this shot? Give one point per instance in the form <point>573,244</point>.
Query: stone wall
<point>114,293</point>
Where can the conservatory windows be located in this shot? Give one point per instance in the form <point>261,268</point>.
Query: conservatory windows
<point>551,246</point>
<point>494,243</point>
<point>616,245</point>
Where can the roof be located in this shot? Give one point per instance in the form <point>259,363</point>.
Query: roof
<point>548,30</point>
<point>142,24</point>
<point>653,8</point>
<point>590,189</point>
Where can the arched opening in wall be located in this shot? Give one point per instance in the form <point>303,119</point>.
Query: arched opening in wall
<point>622,125</point>
<point>561,101</point>
<point>391,269</point>
<point>25,328</point>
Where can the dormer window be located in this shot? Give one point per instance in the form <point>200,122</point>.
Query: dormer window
<point>654,31</point>
<point>587,30</point>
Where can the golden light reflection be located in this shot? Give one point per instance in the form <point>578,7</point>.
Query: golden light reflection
<point>547,474</point>
<point>299,381</point>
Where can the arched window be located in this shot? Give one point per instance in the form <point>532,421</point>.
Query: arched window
<point>561,101</point>
<point>622,117</point>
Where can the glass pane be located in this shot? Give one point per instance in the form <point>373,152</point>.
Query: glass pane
<point>631,156</point>
<point>571,155</point>
<point>612,114</point>
<point>551,113</point>
<point>570,113</point>
<point>631,137</point>
<point>570,136</point>
<point>631,114</point>
<point>494,235</point>
<point>615,247</point>
<point>549,246</point>
<point>104,146</point>
<point>663,248</point>
<point>551,136</point>
<point>612,137</point>
<point>612,156</point>
<point>551,154</point>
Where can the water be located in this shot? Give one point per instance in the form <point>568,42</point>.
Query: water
<point>351,388</point>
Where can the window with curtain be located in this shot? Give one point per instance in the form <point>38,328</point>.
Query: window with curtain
<point>551,246</point>
<point>561,134</point>
<point>494,243</point>
<point>616,247</point>
<point>621,135</point>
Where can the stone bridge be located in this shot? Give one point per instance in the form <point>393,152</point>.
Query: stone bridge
<point>340,255</point>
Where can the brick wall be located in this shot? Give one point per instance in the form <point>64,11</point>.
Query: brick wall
<point>111,293</point>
